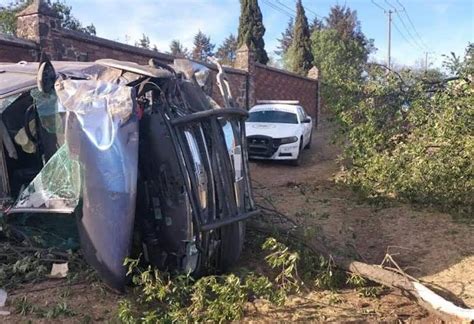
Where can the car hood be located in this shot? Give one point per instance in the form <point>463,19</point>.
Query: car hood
<point>275,130</point>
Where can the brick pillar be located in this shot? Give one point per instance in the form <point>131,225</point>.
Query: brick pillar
<point>37,23</point>
<point>314,73</point>
<point>245,60</point>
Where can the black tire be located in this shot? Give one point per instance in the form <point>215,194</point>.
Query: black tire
<point>232,243</point>
<point>297,161</point>
<point>308,146</point>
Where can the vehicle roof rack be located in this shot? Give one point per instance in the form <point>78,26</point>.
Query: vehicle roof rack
<point>287,102</point>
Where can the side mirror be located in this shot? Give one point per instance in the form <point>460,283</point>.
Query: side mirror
<point>307,120</point>
<point>46,77</point>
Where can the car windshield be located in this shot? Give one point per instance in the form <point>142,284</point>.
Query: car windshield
<point>272,116</point>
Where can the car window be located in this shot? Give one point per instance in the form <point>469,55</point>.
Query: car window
<point>301,114</point>
<point>272,116</point>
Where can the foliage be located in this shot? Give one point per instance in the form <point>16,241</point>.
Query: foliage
<point>143,42</point>
<point>162,298</point>
<point>286,39</point>
<point>456,65</point>
<point>24,307</point>
<point>412,145</point>
<point>251,29</point>
<point>203,48</point>
<point>341,62</point>
<point>301,58</point>
<point>340,52</point>
<point>316,24</point>
<point>60,8</point>
<point>177,49</point>
<point>226,53</point>
<point>68,21</point>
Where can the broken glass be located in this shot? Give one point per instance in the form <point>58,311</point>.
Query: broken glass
<point>56,188</point>
<point>48,110</point>
<point>6,102</point>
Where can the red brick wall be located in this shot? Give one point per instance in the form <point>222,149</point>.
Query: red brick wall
<point>14,50</point>
<point>275,84</point>
<point>264,83</point>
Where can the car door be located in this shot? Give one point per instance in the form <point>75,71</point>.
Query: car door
<point>306,127</point>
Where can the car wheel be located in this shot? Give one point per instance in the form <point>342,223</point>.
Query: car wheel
<point>308,146</point>
<point>232,242</point>
<point>297,161</point>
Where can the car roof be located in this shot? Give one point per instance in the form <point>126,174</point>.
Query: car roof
<point>278,107</point>
<point>19,77</point>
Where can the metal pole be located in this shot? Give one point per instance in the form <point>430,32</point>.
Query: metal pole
<point>389,37</point>
<point>426,62</point>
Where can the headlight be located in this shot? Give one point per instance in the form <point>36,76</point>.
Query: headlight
<point>287,140</point>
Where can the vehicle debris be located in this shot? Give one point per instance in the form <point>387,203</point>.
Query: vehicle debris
<point>59,270</point>
<point>146,161</point>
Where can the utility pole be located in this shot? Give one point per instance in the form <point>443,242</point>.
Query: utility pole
<point>389,37</point>
<point>426,62</point>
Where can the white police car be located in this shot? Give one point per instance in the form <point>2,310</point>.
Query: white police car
<point>278,130</point>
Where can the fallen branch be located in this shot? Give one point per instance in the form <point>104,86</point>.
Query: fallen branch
<point>425,297</point>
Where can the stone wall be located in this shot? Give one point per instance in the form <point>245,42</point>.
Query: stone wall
<point>14,49</point>
<point>39,32</point>
<point>271,83</point>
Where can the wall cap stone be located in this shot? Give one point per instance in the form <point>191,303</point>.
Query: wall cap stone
<point>103,42</point>
<point>38,7</point>
<point>288,73</point>
<point>134,49</point>
<point>15,41</point>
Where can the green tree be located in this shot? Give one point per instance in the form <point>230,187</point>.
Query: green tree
<point>177,49</point>
<point>316,24</point>
<point>143,42</point>
<point>457,66</point>
<point>286,39</point>
<point>301,58</point>
<point>341,52</point>
<point>227,51</point>
<point>203,48</point>
<point>251,29</point>
<point>68,21</point>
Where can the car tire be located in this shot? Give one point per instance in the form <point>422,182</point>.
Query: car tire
<point>297,161</point>
<point>308,146</point>
<point>232,243</point>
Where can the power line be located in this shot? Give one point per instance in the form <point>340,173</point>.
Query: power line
<point>401,34</point>
<point>413,40</point>
<point>376,4</point>
<point>277,8</point>
<point>422,47</point>
<point>411,23</point>
<point>285,6</point>
<point>314,13</point>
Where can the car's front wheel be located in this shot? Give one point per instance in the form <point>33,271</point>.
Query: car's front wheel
<point>299,158</point>
<point>308,146</point>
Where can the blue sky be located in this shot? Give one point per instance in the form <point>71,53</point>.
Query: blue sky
<point>443,25</point>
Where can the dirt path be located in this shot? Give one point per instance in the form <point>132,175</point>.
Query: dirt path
<point>427,244</point>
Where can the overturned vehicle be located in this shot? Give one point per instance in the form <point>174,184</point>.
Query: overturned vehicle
<point>139,154</point>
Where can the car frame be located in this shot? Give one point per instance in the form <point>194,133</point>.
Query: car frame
<point>159,161</point>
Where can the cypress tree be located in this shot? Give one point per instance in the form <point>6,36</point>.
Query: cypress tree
<point>301,55</point>
<point>251,29</point>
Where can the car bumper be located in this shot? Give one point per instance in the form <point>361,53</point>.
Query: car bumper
<point>267,148</point>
